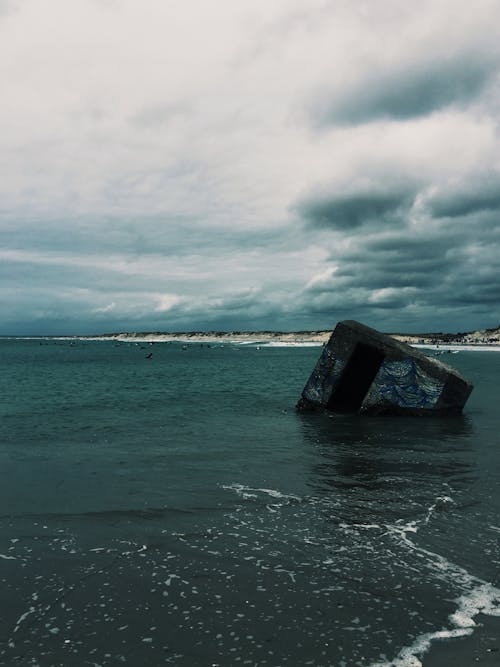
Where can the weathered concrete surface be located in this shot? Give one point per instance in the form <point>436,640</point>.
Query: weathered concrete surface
<point>362,370</point>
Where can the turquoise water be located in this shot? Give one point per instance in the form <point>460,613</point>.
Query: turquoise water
<point>177,510</point>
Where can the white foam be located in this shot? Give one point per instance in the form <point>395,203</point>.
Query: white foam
<point>250,492</point>
<point>484,599</point>
<point>459,348</point>
<point>291,574</point>
<point>169,579</point>
<point>480,597</point>
<point>441,503</point>
<point>23,617</point>
<point>287,343</point>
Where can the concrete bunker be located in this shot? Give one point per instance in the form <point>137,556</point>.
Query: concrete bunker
<point>364,371</point>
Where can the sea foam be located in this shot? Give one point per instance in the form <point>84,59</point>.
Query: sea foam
<point>479,597</point>
<point>483,599</point>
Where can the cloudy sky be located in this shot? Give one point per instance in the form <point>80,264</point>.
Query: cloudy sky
<point>249,164</point>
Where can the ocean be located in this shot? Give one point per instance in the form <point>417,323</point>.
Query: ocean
<point>177,510</point>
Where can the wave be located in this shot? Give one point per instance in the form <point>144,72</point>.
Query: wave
<point>248,492</point>
<point>483,599</point>
<point>478,596</point>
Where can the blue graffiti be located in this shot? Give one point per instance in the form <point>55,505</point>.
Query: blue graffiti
<point>405,384</point>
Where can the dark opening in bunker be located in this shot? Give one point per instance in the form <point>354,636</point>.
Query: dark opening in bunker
<point>359,373</point>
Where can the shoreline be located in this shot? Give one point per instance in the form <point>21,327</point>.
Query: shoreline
<point>441,343</point>
<point>478,339</point>
<point>481,647</point>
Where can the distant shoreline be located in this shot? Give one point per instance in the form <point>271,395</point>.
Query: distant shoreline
<point>489,338</point>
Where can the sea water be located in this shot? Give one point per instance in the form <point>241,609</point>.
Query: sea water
<point>177,510</point>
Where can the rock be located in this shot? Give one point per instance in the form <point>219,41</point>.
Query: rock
<point>364,371</point>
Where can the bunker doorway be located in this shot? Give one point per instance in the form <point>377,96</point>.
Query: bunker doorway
<point>355,381</point>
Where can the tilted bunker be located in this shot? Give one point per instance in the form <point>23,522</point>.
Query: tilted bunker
<point>364,371</point>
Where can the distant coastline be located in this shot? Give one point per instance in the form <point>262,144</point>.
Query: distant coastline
<point>243,337</point>
<point>489,338</point>
<point>485,337</point>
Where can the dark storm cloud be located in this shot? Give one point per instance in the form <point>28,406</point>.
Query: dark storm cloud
<point>408,92</point>
<point>485,196</point>
<point>102,279</point>
<point>105,273</point>
<point>74,310</point>
<point>348,211</point>
<point>136,236</point>
<point>427,269</point>
<point>384,267</point>
<point>396,261</point>
<point>402,254</point>
<point>468,295</point>
<point>397,249</point>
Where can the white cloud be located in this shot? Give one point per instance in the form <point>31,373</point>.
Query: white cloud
<point>387,295</point>
<point>110,307</point>
<point>324,279</point>
<point>166,302</point>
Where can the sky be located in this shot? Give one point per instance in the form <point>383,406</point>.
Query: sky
<point>180,165</point>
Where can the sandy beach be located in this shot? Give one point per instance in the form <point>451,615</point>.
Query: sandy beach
<point>212,337</point>
<point>488,339</point>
